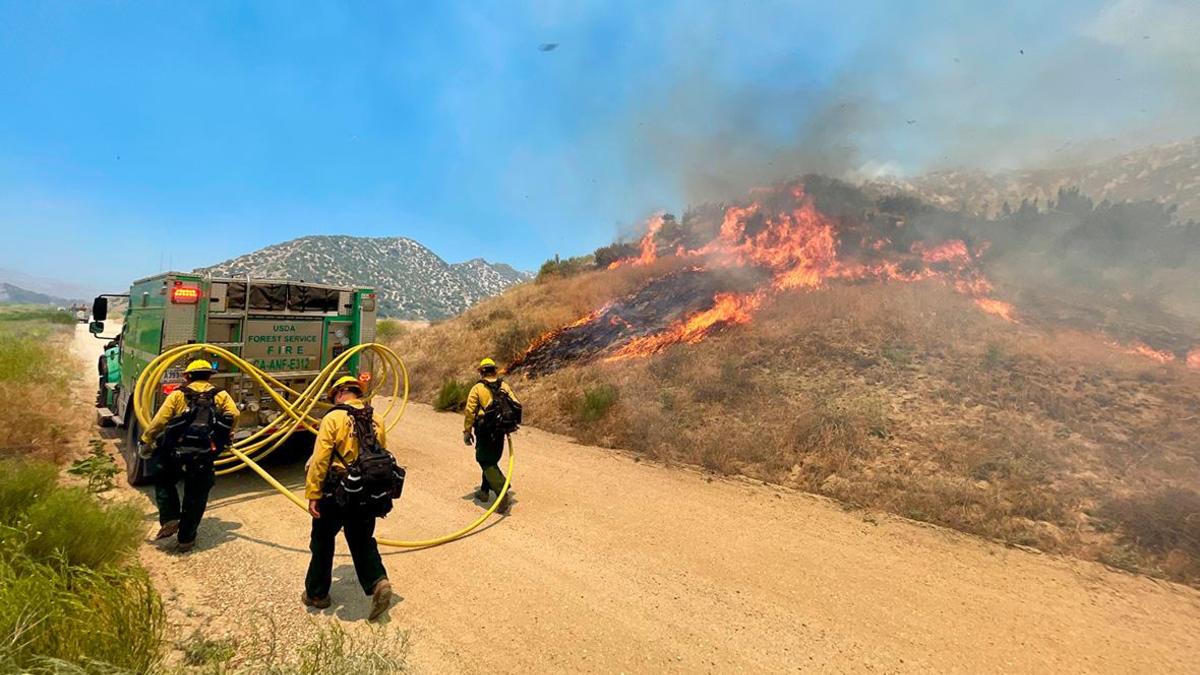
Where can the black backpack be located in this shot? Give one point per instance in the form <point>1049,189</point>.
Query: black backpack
<point>201,428</point>
<point>503,415</point>
<point>373,481</point>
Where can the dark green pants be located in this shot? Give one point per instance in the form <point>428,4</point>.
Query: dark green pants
<point>489,448</point>
<point>196,472</point>
<point>360,537</point>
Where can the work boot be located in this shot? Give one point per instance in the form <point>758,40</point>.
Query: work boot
<point>168,529</point>
<point>481,495</point>
<point>381,599</point>
<point>185,546</point>
<point>505,505</point>
<point>318,603</point>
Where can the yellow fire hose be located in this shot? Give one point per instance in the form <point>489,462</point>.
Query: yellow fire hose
<point>297,413</point>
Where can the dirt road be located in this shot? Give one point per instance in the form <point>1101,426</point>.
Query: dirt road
<point>610,565</point>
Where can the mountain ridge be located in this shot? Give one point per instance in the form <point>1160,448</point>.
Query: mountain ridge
<point>15,294</point>
<point>413,282</point>
<point>1168,173</point>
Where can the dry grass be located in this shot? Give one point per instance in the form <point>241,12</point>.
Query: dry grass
<point>903,398</point>
<point>35,379</point>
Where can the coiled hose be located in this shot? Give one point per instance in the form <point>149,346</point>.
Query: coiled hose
<point>298,409</point>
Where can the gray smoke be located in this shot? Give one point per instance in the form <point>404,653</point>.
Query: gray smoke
<point>933,88</point>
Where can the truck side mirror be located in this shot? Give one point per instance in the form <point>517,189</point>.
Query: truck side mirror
<point>96,327</point>
<point>100,310</point>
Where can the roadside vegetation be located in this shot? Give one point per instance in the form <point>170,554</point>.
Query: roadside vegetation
<point>18,312</point>
<point>38,420</point>
<point>70,589</point>
<point>73,597</point>
<point>330,650</point>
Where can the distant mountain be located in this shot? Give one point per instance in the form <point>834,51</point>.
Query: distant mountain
<point>1165,173</point>
<point>412,281</point>
<point>16,294</point>
<point>56,288</point>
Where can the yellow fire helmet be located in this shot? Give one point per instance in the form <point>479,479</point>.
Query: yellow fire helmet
<point>199,366</point>
<point>487,363</point>
<point>344,381</point>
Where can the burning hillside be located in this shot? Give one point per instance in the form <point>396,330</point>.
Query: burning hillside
<point>853,346</point>
<point>777,243</point>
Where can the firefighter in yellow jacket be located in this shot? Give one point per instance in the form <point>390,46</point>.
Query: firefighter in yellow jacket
<point>336,446</point>
<point>489,443</point>
<point>191,428</point>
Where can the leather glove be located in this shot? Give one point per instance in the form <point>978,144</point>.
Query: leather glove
<point>145,451</point>
<point>468,438</point>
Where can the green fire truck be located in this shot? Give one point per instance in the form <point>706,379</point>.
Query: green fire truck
<point>290,329</point>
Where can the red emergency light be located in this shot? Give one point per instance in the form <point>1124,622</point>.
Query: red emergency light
<point>170,387</point>
<point>185,295</point>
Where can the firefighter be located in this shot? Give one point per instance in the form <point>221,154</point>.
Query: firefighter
<point>336,446</point>
<point>489,442</point>
<point>193,426</point>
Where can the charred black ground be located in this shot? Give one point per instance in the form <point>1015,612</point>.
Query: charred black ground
<point>653,308</point>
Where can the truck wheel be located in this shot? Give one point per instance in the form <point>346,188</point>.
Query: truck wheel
<point>137,470</point>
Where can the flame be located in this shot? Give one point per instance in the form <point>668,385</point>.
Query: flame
<point>1000,308</point>
<point>728,309</point>
<point>1143,349</point>
<point>1139,348</point>
<point>648,248</point>
<point>1193,358</point>
<point>953,251</point>
<point>799,247</point>
<point>551,334</point>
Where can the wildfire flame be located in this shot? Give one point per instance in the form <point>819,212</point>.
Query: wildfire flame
<point>648,247</point>
<point>999,308</point>
<point>800,247</point>
<point>727,309</point>
<point>1139,348</point>
<point>782,234</point>
<point>1151,353</point>
<point>1193,358</point>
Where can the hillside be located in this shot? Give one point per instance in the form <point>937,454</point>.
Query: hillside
<point>53,287</point>
<point>1169,174</point>
<point>968,372</point>
<point>16,294</point>
<point>412,281</point>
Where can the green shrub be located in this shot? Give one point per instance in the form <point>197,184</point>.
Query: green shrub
<point>565,268</point>
<point>71,524</point>
<point>389,330</point>
<point>615,252</point>
<point>452,396</point>
<point>21,484</point>
<point>98,468</point>
<point>596,402</point>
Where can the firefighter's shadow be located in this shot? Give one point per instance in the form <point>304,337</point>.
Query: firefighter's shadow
<point>215,531</point>
<point>349,601</point>
<point>487,504</point>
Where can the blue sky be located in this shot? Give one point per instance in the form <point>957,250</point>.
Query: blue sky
<point>188,133</point>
